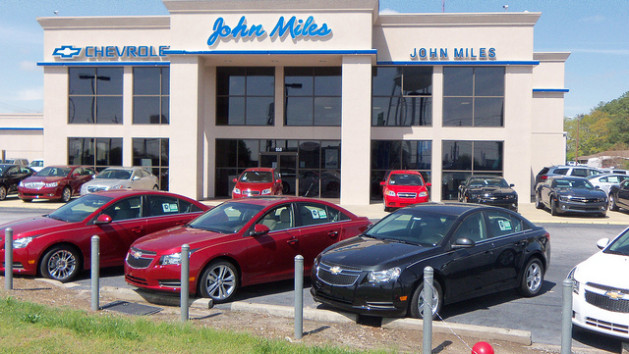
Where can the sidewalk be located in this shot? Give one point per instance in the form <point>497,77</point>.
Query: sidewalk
<point>376,211</point>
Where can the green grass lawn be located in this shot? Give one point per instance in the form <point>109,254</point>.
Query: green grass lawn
<point>28,327</point>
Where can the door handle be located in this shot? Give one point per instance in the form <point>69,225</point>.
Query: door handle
<point>137,230</point>
<point>292,241</point>
<point>333,234</point>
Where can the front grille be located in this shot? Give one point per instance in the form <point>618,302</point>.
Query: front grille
<point>136,280</point>
<point>586,200</point>
<point>407,195</point>
<point>338,276</point>
<point>607,303</point>
<point>606,287</point>
<point>16,265</point>
<point>139,259</point>
<point>170,283</point>
<point>613,327</point>
<point>34,185</point>
<point>251,192</point>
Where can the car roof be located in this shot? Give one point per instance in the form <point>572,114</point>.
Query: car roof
<point>450,208</point>
<point>115,193</point>
<point>261,169</point>
<point>574,178</point>
<point>273,200</point>
<point>413,172</point>
<point>607,175</point>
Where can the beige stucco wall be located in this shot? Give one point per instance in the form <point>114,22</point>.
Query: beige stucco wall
<point>22,136</point>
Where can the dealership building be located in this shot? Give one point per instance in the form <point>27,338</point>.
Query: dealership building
<point>332,93</point>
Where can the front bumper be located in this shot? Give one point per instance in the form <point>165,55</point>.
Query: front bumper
<point>23,262</point>
<point>511,204</point>
<point>145,272</point>
<point>43,193</point>
<point>600,310</point>
<point>397,202</point>
<point>581,208</point>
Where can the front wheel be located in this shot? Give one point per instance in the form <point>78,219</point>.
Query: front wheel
<point>417,301</point>
<point>532,278</point>
<point>219,281</point>
<point>553,208</point>
<point>60,263</point>
<point>612,202</point>
<point>66,195</point>
<point>3,192</point>
<point>538,201</point>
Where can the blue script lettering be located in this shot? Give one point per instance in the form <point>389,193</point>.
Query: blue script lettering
<point>301,28</point>
<point>221,30</point>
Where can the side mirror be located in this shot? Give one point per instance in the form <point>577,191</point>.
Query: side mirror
<point>383,183</point>
<point>512,185</point>
<point>259,230</point>
<point>135,178</point>
<point>235,180</point>
<point>428,184</point>
<point>602,243</point>
<point>102,219</point>
<point>463,242</point>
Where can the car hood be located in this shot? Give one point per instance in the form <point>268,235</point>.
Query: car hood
<point>582,192</point>
<point>46,179</point>
<point>107,182</point>
<point>398,188</point>
<point>254,186</point>
<point>31,226</point>
<point>370,253</point>
<point>605,269</point>
<point>492,190</point>
<point>174,238</point>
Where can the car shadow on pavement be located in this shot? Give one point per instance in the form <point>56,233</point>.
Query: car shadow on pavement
<point>596,340</point>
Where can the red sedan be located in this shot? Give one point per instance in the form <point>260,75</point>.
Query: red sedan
<point>403,188</point>
<point>58,245</point>
<point>55,182</point>
<point>241,242</point>
<point>257,181</point>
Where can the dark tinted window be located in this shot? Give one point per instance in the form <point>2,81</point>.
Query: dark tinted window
<point>402,96</point>
<point>151,88</point>
<point>312,96</point>
<point>95,95</point>
<point>245,96</point>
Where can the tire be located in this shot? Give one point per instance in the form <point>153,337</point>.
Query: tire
<point>417,303</point>
<point>27,200</point>
<point>66,195</point>
<point>3,192</point>
<point>612,202</point>
<point>532,278</point>
<point>61,263</point>
<point>538,202</point>
<point>553,208</point>
<point>219,281</point>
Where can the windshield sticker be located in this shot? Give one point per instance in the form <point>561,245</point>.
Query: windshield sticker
<point>174,208</point>
<point>322,214</point>
<point>315,214</point>
<point>505,225</point>
<point>170,208</point>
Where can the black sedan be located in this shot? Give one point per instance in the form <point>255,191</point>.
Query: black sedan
<point>570,195</point>
<point>489,190</point>
<point>10,177</point>
<point>474,250</point>
<point>619,196</point>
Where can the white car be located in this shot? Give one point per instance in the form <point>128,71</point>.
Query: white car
<point>120,178</point>
<point>607,180</point>
<point>600,289</point>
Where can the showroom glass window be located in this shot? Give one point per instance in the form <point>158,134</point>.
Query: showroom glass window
<point>151,89</point>
<point>95,95</point>
<point>461,159</point>
<point>245,96</point>
<point>99,153</point>
<point>473,96</point>
<point>387,155</point>
<point>401,96</point>
<point>312,96</point>
<point>152,154</point>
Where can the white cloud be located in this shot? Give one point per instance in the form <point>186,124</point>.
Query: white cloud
<point>593,19</point>
<point>29,66</point>
<point>30,94</point>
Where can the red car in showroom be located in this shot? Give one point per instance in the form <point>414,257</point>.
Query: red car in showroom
<point>257,181</point>
<point>239,243</point>
<point>58,245</point>
<point>55,182</point>
<point>403,188</point>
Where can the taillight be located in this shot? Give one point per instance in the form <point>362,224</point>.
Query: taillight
<point>544,177</point>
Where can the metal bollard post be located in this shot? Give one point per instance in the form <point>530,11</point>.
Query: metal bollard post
<point>95,272</point>
<point>427,317</point>
<point>8,259</point>
<point>185,281</point>
<point>299,296</point>
<point>566,318</point>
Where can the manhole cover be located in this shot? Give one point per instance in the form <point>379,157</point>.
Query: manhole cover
<point>131,308</point>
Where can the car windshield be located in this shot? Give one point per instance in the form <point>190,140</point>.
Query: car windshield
<point>413,226</point>
<point>80,208</point>
<point>2,168</point>
<point>405,179</point>
<point>257,177</point>
<point>226,218</point>
<point>114,174</point>
<point>54,172</point>
<point>489,182</point>
<point>620,245</point>
<point>573,183</point>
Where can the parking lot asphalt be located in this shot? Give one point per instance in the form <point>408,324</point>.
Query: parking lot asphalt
<point>374,212</point>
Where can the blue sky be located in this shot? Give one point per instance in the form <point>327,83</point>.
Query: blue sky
<point>596,32</point>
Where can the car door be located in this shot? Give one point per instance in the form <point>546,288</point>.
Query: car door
<point>508,243</point>
<point>623,195</point>
<point>468,271</point>
<point>128,223</point>
<point>271,256</point>
<point>320,227</point>
<point>164,211</point>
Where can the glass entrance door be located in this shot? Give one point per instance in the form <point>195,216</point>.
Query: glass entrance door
<point>286,164</point>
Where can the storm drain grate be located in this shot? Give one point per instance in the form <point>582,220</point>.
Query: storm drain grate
<point>131,308</point>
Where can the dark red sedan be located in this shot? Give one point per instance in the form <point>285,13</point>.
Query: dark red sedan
<point>55,182</point>
<point>58,245</point>
<point>240,242</point>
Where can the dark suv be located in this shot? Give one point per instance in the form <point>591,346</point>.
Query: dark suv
<point>571,171</point>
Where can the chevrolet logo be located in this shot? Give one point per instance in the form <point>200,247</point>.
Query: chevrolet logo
<point>335,270</point>
<point>136,254</point>
<point>615,295</point>
<point>66,52</point>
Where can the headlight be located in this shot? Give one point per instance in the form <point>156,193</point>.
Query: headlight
<point>391,193</point>
<point>565,198</point>
<point>423,194</point>
<point>171,259</point>
<point>266,191</point>
<point>236,191</point>
<point>21,184</point>
<point>575,283</point>
<point>384,275</point>
<point>51,184</point>
<point>22,242</point>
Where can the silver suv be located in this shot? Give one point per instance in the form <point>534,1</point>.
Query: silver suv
<point>573,171</point>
